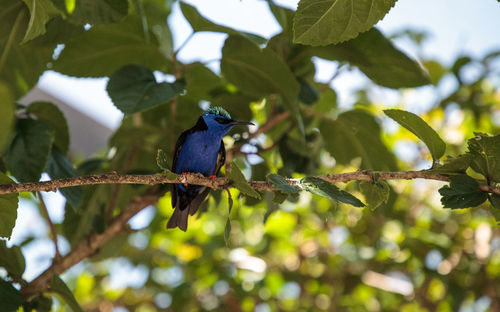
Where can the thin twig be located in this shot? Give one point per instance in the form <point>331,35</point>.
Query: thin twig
<point>52,228</point>
<point>221,183</point>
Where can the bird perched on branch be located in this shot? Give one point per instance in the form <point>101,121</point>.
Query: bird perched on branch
<point>199,150</point>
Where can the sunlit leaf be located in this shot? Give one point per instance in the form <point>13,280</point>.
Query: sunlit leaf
<point>333,21</point>
<point>281,184</point>
<point>41,11</point>
<point>238,179</point>
<point>376,194</point>
<point>485,152</point>
<point>326,189</point>
<point>463,192</point>
<point>421,129</point>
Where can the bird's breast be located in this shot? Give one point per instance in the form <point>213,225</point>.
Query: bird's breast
<point>198,154</point>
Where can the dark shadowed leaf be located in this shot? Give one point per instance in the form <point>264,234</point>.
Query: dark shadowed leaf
<point>59,167</point>
<point>52,116</point>
<point>376,194</point>
<point>378,59</point>
<point>356,134</point>
<point>495,207</point>
<point>238,179</point>
<point>7,113</point>
<point>421,129</point>
<point>485,152</point>
<point>12,259</point>
<point>227,228</point>
<point>59,287</point>
<point>96,12</point>
<point>281,184</point>
<point>279,197</point>
<point>326,189</point>
<point>463,192</point>
<point>113,46</point>
<point>28,153</point>
<point>200,23</point>
<point>333,21</point>
<point>10,297</point>
<point>134,88</point>
<point>41,11</point>
<point>8,209</point>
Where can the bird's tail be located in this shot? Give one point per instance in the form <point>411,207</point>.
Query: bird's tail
<point>179,219</point>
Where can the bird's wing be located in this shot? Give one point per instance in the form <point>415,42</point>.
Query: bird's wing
<point>178,146</point>
<point>221,160</point>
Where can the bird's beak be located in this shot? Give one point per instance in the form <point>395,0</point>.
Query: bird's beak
<point>238,122</point>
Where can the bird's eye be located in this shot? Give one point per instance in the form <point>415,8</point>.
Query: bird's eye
<point>222,120</point>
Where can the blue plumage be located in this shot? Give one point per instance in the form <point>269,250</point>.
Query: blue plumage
<point>199,150</point>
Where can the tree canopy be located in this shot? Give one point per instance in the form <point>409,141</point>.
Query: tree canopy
<point>317,208</point>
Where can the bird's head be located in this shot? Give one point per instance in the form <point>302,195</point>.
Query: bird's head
<point>219,121</point>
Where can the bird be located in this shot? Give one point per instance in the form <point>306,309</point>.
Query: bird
<point>199,149</point>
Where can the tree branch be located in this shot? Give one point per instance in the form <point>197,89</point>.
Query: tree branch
<point>88,247</point>
<point>222,183</point>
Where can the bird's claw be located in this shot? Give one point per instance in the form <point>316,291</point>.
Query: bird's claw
<point>185,174</point>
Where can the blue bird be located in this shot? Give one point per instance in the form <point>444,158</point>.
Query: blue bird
<point>199,150</point>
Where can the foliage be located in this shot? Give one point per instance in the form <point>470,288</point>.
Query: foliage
<point>284,250</point>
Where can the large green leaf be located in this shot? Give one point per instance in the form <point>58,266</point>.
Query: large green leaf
<point>59,167</point>
<point>10,297</point>
<point>378,59</point>
<point>12,259</point>
<point>356,134</point>
<point>7,113</point>
<point>41,11</point>
<point>421,129</point>
<point>463,192</point>
<point>8,209</point>
<point>238,180</point>
<point>200,81</point>
<point>376,194</point>
<point>134,88</point>
<point>96,12</point>
<point>326,189</point>
<point>200,23</point>
<point>454,165</point>
<point>52,116</point>
<point>59,286</point>
<point>333,21</point>
<point>28,153</point>
<point>103,49</point>
<point>485,152</point>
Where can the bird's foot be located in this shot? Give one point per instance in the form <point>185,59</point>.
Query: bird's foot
<point>212,177</point>
<point>185,174</point>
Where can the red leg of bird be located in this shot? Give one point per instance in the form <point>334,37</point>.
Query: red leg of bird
<point>212,177</point>
<point>185,174</point>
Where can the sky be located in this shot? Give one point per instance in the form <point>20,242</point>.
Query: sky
<point>456,27</point>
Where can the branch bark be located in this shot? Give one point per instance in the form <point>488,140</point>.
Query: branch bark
<point>221,183</point>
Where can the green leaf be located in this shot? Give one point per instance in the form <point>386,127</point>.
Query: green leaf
<point>133,89</point>
<point>28,153</point>
<point>8,209</point>
<point>59,286</point>
<point>327,102</point>
<point>227,228</point>
<point>200,23</point>
<point>257,72</point>
<point>7,113</point>
<point>463,192</point>
<point>421,129</point>
<point>376,194</point>
<point>113,46</point>
<point>161,159</point>
<point>326,189</point>
<point>52,116</point>
<point>200,81</point>
<point>279,197</point>
<point>238,180</point>
<point>12,259</point>
<point>279,183</point>
<point>485,152</point>
<point>454,165</point>
<point>10,297</point>
<point>494,208</point>
<point>333,21</point>
<point>436,71</point>
<point>378,59</point>
<point>283,16</point>
<point>41,11</point>
<point>96,12</point>
<point>356,134</point>
<point>59,167</point>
